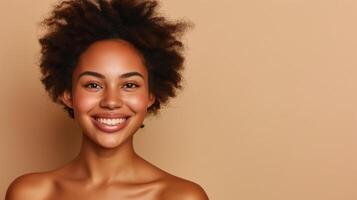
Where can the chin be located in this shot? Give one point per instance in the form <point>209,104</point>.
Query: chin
<point>111,144</point>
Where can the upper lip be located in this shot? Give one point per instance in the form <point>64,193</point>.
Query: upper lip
<point>111,115</point>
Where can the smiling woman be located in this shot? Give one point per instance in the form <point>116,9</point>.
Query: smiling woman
<point>109,63</point>
<point>110,92</point>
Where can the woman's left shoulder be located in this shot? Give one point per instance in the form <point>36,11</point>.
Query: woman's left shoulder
<point>182,189</point>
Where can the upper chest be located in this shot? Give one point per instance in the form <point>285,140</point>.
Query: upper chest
<point>75,191</point>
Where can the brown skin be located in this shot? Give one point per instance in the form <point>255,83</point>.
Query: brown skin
<point>107,166</point>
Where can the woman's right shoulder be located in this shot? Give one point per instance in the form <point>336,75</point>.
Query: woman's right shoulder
<point>30,186</point>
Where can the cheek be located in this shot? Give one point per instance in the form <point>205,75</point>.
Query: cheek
<point>137,103</point>
<point>83,102</point>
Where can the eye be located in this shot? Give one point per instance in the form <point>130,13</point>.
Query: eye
<point>93,86</point>
<point>130,85</point>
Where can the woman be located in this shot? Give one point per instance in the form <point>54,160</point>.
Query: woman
<point>109,63</point>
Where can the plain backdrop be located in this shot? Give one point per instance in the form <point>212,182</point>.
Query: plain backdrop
<point>268,110</point>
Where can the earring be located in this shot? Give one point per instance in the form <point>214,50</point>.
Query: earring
<point>142,126</point>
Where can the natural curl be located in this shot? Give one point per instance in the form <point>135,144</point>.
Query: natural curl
<point>76,24</point>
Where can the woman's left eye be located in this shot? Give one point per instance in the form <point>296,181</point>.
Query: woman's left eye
<point>130,85</point>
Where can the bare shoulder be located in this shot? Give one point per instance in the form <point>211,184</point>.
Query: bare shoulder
<point>181,189</point>
<point>173,187</point>
<point>29,186</point>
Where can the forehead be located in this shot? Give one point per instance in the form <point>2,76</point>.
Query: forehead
<point>111,57</point>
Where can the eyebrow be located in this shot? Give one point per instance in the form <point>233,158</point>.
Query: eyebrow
<point>98,75</point>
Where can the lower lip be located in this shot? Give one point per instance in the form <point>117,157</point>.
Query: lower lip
<point>110,129</point>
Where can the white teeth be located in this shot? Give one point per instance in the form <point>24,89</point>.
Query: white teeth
<point>111,122</point>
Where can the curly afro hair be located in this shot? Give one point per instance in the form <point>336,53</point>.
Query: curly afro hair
<point>74,25</point>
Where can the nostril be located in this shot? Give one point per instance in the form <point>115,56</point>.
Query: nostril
<point>113,106</point>
<point>110,104</point>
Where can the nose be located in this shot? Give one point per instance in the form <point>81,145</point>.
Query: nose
<point>111,99</point>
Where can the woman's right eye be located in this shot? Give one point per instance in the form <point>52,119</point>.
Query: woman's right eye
<point>93,86</point>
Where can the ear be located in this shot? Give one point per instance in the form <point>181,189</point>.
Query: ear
<point>151,100</point>
<point>66,98</point>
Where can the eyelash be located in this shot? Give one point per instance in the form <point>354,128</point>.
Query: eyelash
<point>133,85</point>
<point>91,84</point>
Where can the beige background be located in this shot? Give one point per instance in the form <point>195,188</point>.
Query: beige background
<point>269,109</point>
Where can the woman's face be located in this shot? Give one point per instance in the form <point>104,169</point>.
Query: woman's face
<point>110,92</point>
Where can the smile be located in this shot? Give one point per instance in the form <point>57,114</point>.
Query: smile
<point>110,125</point>
<point>111,122</point>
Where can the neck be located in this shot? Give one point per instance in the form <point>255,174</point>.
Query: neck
<point>100,164</point>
